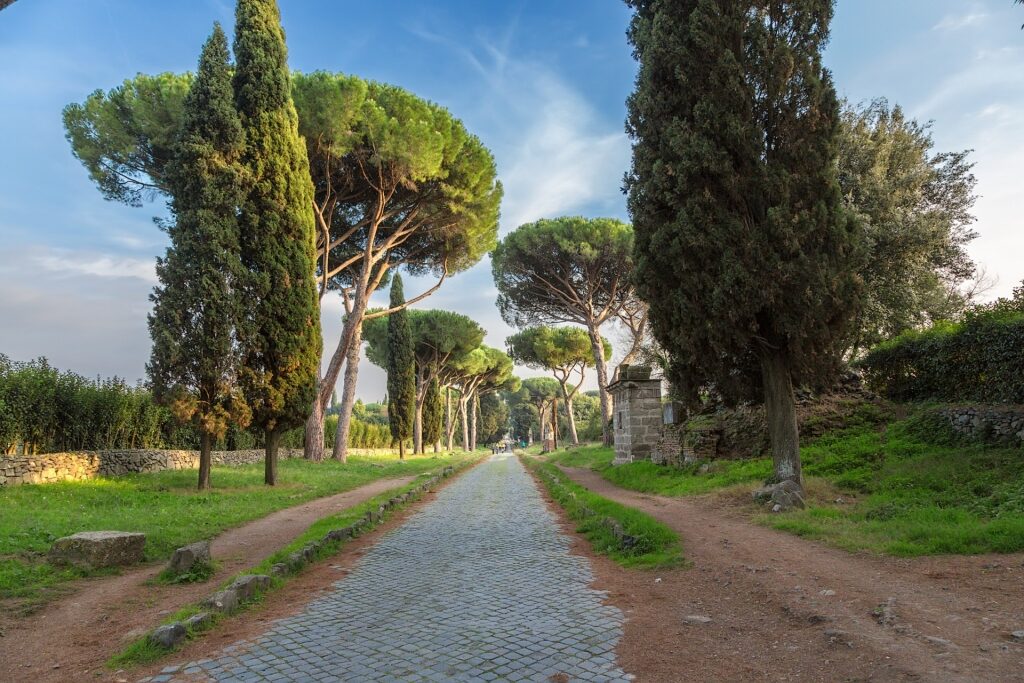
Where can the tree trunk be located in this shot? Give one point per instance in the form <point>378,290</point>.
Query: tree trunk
<point>348,395</point>
<point>449,425</point>
<point>273,437</point>
<point>437,446</point>
<point>401,449</point>
<point>465,422</point>
<point>473,421</point>
<point>204,461</point>
<point>602,382</point>
<point>417,421</point>
<point>313,443</point>
<point>780,410</point>
<point>573,435</point>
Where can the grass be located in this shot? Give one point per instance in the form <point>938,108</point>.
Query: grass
<point>911,489</point>
<point>653,544</point>
<point>142,651</point>
<point>166,507</point>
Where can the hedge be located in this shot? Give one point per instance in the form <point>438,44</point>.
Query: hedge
<point>47,411</point>
<point>978,360</point>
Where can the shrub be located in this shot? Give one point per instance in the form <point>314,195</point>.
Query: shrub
<point>980,359</point>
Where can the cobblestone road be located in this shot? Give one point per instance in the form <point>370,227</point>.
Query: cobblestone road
<point>477,586</point>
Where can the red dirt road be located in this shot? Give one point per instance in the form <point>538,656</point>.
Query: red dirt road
<point>786,609</point>
<point>71,638</point>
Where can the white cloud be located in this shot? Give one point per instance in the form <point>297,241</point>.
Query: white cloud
<point>103,266</point>
<point>953,22</point>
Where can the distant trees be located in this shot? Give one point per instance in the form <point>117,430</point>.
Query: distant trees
<point>744,252</point>
<point>567,270</point>
<point>280,336</point>
<point>565,351</point>
<point>915,207</point>
<point>401,367</point>
<point>194,361</point>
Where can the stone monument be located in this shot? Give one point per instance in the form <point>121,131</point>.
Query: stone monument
<point>637,412</point>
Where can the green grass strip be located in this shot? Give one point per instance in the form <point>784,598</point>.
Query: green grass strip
<point>628,536</point>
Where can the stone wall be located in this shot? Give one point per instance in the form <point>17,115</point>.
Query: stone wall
<point>637,419</point>
<point>52,467</point>
<point>1000,424</point>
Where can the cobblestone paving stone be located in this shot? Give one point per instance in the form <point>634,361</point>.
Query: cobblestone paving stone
<point>477,586</point>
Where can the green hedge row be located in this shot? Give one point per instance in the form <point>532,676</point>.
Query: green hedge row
<point>50,411</point>
<point>978,360</point>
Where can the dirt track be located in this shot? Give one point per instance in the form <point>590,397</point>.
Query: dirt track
<point>70,638</point>
<point>786,609</point>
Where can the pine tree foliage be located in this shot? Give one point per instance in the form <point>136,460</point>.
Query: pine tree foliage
<point>401,368</point>
<point>194,362</point>
<point>281,334</point>
<point>743,250</point>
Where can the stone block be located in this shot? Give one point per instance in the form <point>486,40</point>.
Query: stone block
<point>169,636</point>
<point>187,557</point>
<point>97,549</point>
<point>225,601</point>
<point>250,585</point>
<point>198,622</point>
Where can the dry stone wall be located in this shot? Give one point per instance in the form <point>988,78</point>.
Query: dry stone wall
<point>1002,424</point>
<point>53,467</point>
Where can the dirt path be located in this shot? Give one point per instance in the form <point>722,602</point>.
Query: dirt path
<point>70,638</point>
<point>786,609</point>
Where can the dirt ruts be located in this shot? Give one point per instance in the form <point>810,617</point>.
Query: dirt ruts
<point>782,608</point>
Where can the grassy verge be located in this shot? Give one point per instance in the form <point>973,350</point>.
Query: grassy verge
<point>142,651</point>
<point>908,489</point>
<point>628,536</point>
<point>166,507</point>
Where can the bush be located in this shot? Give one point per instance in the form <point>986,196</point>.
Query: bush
<point>981,359</point>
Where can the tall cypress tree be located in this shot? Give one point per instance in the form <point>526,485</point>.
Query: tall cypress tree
<point>433,415</point>
<point>194,361</point>
<point>281,335</point>
<point>742,248</point>
<point>401,370</point>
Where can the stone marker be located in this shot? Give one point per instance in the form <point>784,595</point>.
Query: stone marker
<point>249,585</point>
<point>198,621</point>
<point>168,636</point>
<point>97,549</point>
<point>187,557</point>
<point>225,601</point>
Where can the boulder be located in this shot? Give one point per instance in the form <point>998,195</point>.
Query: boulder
<point>225,601</point>
<point>250,585</point>
<point>187,557</point>
<point>279,569</point>
<point>95,549</point>
<point>168,636</point>
<point>198,621</point>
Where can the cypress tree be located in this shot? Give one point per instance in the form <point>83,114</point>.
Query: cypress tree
<point>742,248</point>
<point>194,360</point>
<point>401,369</point>
<point>433,415</point>
<point>281,335</point>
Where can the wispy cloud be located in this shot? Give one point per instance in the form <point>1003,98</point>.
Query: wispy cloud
<point>102,266</point>
<point>955,22</point>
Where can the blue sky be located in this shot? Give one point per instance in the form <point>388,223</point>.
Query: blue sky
<point>542,83</point>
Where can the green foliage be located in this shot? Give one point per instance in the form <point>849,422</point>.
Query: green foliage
<point>280,338</point>
<point>50,411</point>
<point>652,545</point>
<point>915,207</point>
<point>980,359</point>
<point>125,137</point>
<point>166,507</point>
<point>562,270</point>
<point>401,367</point>
<point>198,573</point>
<point>433,413</point>
<point>196,306</point>
<point>742,243</point>
<point>494,418</point>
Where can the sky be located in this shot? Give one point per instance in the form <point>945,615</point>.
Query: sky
<point>543,84</point>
